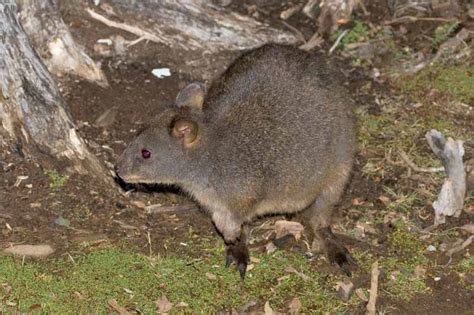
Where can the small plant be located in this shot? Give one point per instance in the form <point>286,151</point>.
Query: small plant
<point>357,34</point>
<point>56,180</point>
<point>443,32</point>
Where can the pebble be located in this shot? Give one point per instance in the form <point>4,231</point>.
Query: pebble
<point>345,290</point>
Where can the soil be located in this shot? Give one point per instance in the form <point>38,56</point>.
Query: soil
<point>106,215</point>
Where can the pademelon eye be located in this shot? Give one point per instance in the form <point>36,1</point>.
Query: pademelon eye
<point>146,154</point>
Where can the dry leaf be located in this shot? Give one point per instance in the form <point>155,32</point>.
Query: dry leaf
<point>114,305</point>
<point>79,295</point>
<point>211,276</point>
<point>283,227</point>
<point>268,310</point>
<point>290,269</point>
<point>357,202</point>
<point>139,204</point>
<point>420,271</point>
<point>182,304</point>
<point>385,200</point>
<point>163,305</point>
<point>270,248</point>
<point>254,260</point>
<point>38,251</point>
<point>361,294</point>
<point>468,228</point>
<point>294,306</point>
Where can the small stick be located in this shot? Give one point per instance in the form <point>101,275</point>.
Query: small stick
<point>117,308</point>
<point>297,31</point>
<point>152,209</point>
<point>148,238</point>
<point>409,18</point>
<point>314,41</point>
<point>416,168</point>
<point>338,40</point>
<point>374,282</point>
<point>128,28</point>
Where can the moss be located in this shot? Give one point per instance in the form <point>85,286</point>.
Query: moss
<point>405,244</point>
<point>358,33</point>
<point>137,281</point>
<point>443,32</point>
<point>456,81</point>
<point>466,268</point>
<point>386,132</point>
<point>404,252</point>
<point>402,202</point>
<point>56,180</point>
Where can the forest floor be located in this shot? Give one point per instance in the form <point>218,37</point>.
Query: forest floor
<point>119,252</point>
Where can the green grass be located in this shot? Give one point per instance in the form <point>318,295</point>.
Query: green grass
<point>405,252</point>
<point>454,80</point>
<point>56,180</point>
<point>136,282</point>
<point>466,266</point>
<point>399,131</point>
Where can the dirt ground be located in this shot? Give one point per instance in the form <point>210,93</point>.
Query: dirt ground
<point>32,212</point>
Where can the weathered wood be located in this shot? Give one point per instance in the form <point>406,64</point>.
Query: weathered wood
<point>451,197</point>
<point>32,111</point>
<point>51,38</point>
<point>201,24</point>
<point>205,34</point>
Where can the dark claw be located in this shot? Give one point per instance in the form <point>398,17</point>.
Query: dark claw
<point>229,259</point>
<point>340,256</point>
<point>240,255</point>
<point>242,267</point>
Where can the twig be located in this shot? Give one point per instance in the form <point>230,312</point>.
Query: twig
<point>297,31</point>
<point>117,308</point>
<point>152,209</point>
<point>362,6</point>
<point>128,28</point>
<point>374,282</point>
<point>409,18</point>
<point>148,238</point>
<point>460,247</point>
<point>338,40</point>
<point>314,41</point>
<point>415,167</point>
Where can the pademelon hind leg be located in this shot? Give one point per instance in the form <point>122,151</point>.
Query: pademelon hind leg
<point>318,216</point>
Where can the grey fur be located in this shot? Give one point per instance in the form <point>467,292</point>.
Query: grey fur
<point>276,135</point>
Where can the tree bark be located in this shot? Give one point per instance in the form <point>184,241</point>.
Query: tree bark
<point>51,38</point>
<point>32,111</point>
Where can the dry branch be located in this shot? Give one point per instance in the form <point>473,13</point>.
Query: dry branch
<point>416,168</point>
<point>407,18</point>
<point>194,25</point>
<point>142,34</point>
<point>374,282</point>
<point>451,197</point>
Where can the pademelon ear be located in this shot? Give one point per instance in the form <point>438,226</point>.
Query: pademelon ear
<point>187,131</point>
<point>192,96</point>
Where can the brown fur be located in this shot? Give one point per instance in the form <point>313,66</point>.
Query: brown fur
<point>275,135</point>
